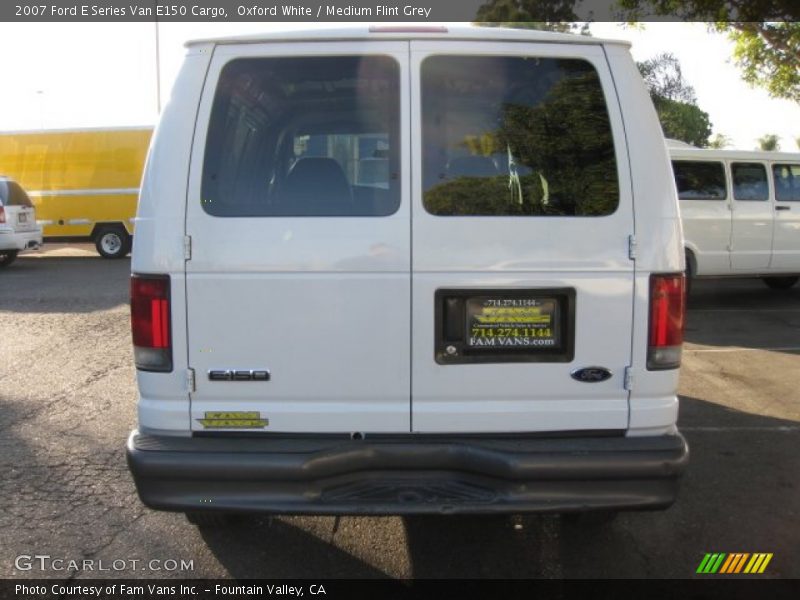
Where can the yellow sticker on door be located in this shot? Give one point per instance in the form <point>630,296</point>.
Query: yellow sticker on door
<point>233,420</point>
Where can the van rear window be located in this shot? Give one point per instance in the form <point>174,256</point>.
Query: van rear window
<point>700,180</point>
<point>516,136</point>
<point>304,136</point>
<point>12,194</point>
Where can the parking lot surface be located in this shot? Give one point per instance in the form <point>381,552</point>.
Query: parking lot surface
<point>67,403</point>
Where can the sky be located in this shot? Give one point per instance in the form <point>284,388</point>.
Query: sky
<point>104,74</point>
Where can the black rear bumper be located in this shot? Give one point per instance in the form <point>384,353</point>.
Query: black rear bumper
<point>412,474</point>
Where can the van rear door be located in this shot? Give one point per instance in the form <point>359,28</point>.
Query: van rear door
<point>298,286</point>
<point>522,212</point>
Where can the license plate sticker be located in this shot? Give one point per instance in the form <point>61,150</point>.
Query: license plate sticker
<point>507,323</point>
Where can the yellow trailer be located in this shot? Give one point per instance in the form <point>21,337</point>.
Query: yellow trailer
<point>84,183</point>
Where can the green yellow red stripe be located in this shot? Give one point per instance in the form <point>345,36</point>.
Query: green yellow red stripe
<point>734,563</point>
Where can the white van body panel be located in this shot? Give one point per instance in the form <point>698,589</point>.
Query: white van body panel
<point>786,226</point>
<point>739,237</point>
<point>588,254</point>
<point>751,230</point>
<point>653,401</point>
<point>597,265</point>
<point>159,243</point>
<point>330,284</point>
<point>707,227</point>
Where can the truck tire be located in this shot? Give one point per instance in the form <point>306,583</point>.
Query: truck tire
<point>7,257</point>
<point>780,283</point>
<point>112,242</point>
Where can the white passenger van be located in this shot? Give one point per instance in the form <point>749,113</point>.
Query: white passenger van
<point>740,212</point>
<point>384,271</point>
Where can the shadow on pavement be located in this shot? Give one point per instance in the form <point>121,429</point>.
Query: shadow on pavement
<point>64,285</point>
<point>273,548</point>
<point>743,313</point>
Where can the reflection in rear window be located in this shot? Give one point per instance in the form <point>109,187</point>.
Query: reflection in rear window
<point>506,135</point>
<point>699,180</point>
<point>304,136</point>
<point>12,194</point>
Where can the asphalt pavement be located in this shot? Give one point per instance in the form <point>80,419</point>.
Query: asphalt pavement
<point>68,401</point>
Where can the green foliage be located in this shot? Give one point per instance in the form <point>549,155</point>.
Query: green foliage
<point>547,15</point>
<point>663,77</point>
<point>683,121</point>
<point>769,142</point>
<point>674,100</point>
<point>768,55</point>
<point>566,144</point>
<point>719,141</point>
<point>766,35</point>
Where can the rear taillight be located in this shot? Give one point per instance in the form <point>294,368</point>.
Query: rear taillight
<point>2,214</point>
<point>150,322</point>
<point>667,308</point>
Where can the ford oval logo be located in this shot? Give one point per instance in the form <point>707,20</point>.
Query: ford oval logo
<point>591,374</point>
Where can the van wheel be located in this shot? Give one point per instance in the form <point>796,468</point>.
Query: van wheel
<point>7,257</point>
<point>112,242</point>
<point>780,283</point>
<point>209,520</point>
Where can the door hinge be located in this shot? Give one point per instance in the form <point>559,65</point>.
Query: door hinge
<point>187,247</point>
<point>628,383</point>
<point>632,247</point>
<point>190,380</point>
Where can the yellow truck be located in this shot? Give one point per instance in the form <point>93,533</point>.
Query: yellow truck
<point>84,183</point>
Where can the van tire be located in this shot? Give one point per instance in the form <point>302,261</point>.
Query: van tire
<point>112,242</point>
<point>209,520</point>
<point>781,283</point>
<point>7,257</point>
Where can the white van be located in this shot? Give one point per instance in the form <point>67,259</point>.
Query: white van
<point>489,321</point>
<point>741,213</point>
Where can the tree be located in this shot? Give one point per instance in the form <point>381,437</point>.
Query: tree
<point>769,142</point>
<point>548,15</point>
<point>663,77</point>
<point>674,100</point>
<point>719,141</point>
<point>768,55</point>
<point>766,33</point>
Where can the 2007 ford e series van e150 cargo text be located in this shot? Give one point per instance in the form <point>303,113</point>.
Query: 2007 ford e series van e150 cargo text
<point>384,271</point>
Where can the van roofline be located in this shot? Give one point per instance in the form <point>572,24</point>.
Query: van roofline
<point>75,130</point>
<point>410,31</point>
<point>713,154</point>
